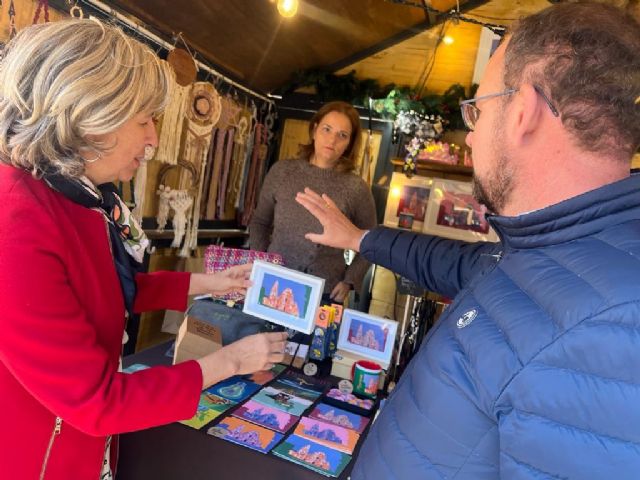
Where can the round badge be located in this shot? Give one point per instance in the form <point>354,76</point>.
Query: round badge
<point>345,387</point>
<point>310,369</point>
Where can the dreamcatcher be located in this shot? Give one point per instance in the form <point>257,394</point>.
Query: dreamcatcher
<point>203,113</point>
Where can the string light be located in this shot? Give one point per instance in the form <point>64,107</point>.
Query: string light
<point>287,8</point>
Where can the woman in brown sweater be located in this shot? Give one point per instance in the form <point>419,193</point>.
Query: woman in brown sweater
<point>326,165</point>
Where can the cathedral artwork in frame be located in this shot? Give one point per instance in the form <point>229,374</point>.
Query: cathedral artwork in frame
<point>283,296</point>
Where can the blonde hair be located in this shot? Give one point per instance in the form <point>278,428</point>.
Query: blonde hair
<point>64,81</point>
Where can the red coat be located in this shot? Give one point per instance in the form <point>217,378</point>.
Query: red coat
<point>61,326</point>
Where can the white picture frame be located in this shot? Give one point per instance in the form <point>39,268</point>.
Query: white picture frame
<point>367,335</point>
<point>407,201</point>
<point>454,213</point>
<point>488,43</point>
<point>283,296</point>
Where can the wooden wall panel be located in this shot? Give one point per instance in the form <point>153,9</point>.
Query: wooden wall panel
<point>25,10</point>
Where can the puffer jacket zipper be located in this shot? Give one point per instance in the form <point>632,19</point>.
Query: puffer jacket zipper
<point>54,434</point>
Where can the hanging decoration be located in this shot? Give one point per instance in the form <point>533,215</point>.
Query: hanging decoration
<point>12,20</point>
<point>244,171</point>
<point>184,65</point>
<point>422,129</point>
<point>76,11</point>
<point>242,155</point>
<point>203,113</point>
<point>172,118</point>
<point>178,200</point>
<point>258,159</point>
<point>41,4</point>
<point>140,184</point>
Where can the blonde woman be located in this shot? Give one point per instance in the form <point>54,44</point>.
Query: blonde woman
<point>77,101</point>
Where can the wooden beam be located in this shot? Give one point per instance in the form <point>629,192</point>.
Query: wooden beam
<point>431,21</point>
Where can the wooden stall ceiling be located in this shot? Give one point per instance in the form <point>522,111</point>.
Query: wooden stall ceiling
<point>408,62</point>
<point>379,39</point>
<point>412,61</point>
<point>262,49</point>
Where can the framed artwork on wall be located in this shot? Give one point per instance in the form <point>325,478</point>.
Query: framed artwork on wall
<point>453,212</point>
<point>407,202</point>
<point>283,296</point>
<point>367,335</point>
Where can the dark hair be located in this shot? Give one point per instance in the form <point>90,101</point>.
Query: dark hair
<point>586,57</point>
<point>346,163</point>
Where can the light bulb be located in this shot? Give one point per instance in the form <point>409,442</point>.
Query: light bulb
<point>447,40</point>
<point>287,8</point>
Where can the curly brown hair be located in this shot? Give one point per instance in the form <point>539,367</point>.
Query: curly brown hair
<point>586,57</point>
<point>346,163</point>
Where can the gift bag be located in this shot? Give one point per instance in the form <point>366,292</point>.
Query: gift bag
<point>217,258</point>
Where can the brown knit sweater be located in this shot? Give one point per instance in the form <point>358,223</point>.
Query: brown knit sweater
<point>279,223</point>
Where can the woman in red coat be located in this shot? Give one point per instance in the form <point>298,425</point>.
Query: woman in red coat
<point>77,100</point>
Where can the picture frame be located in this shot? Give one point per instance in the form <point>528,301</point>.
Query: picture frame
<point>453,212</point>
<point>407,201</point>
<point>283,296</point>
<point>367,335</point>
<point>488,44</point>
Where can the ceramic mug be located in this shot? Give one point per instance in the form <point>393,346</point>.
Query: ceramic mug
<point>366,377</point>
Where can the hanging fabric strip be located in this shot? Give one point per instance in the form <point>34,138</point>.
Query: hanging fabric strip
<point>12,20</point>
<point>222,187</point>
<point>247,159</point>
<point>218,159</point>
<point>259,148</point>
<point>206,180</point>
<point>41,4</point>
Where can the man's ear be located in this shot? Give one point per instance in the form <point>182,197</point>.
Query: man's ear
<point>527,113</point>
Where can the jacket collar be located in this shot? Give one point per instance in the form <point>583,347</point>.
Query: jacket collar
<point>577,217</point>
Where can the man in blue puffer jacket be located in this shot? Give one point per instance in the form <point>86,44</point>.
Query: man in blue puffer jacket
<point>534,370</point>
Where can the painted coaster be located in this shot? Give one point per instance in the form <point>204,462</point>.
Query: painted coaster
<point>312,455</point>
<point>246,434</point>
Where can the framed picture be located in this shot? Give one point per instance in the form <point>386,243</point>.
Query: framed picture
<point>407,202</point>
<point>368,336</point>
<point>489,41</point>
<point>453,212</point>
<point>283,296</point>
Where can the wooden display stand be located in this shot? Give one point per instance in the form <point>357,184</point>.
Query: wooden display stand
<point>343,364</point>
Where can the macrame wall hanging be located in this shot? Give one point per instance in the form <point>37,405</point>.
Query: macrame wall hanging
<point>202,114</point>
<point>179,200</point>
<point>172,118</point>
<point>140,184</point>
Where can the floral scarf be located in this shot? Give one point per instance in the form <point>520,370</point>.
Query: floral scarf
<point>128,241</point>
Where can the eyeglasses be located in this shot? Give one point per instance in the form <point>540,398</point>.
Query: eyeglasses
<point>471,113</point>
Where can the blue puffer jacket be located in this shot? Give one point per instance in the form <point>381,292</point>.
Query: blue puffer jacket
<point>534,370</point>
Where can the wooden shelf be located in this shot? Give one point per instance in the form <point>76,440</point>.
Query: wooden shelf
<point>430,168</point>
<point>202,233</point>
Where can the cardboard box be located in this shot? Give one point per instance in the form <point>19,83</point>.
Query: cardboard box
<point>343,362</point>
<point>196,338</point>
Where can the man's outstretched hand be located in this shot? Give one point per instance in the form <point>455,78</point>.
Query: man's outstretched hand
<point>338,232</point>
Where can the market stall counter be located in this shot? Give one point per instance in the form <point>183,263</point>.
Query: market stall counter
<point>177,451</point>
